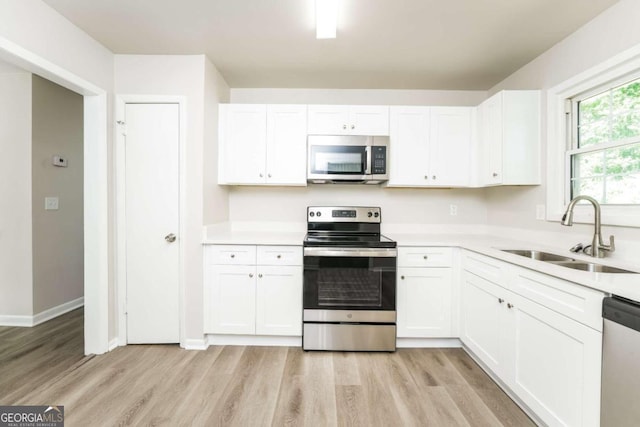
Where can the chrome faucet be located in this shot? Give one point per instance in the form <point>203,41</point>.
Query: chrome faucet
<point>598,248</point>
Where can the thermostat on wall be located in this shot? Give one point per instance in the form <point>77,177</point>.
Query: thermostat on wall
<point>60,161</point>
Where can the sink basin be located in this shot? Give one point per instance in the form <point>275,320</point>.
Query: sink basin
<point>589,266</point>
<point>538,255</point>
<point>567,262</point>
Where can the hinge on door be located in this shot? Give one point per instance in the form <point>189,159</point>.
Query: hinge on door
<point>124,130</point>
<point>567,106</point>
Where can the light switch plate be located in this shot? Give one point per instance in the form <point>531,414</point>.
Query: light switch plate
<point>51,203</point>
<point>60,161</point>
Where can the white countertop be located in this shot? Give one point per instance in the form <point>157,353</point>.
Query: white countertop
<point>625,285</point>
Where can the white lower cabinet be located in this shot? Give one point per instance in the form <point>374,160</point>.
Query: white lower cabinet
<point>424,292</point>
<point>253,295</point>
<point>551,361</point>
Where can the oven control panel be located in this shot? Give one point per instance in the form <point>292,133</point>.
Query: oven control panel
<point>343,214</point>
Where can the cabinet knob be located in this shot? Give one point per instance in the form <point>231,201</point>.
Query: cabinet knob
<point>402,277</point>
<point>509,305</point>
<point>260,275</point>
<point>425,257</point>
<point>353,126</point>
<point>233,255</point>
<point>344,127</point>
<point>250,274</point>
<point>434,177</point>
<point>268,175</point>
<point>495,174</point>
<point>279,256</point>
<point>426,177</point>
<point>261,175</point>
<point>500,300</point>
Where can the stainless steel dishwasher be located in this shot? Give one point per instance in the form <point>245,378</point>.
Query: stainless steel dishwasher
<point>620,363</point>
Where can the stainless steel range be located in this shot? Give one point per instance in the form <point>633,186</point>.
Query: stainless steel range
<point>349,282</point>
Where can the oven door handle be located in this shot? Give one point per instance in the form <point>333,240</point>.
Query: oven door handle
<point>352,252</point>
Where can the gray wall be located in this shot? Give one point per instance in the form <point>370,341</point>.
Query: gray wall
<point>58,252</point>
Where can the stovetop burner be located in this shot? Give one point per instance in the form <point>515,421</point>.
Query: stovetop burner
<point>340,226</point>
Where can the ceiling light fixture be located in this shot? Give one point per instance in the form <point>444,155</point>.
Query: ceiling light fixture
<point>326,19</point>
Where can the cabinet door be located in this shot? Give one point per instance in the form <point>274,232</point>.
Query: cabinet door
<point>243,143</point>
<point>409,141</point>
<point>424,302</point>
<point>279,301</point>
<point>232,297</point>
<point>328,119</point>
<point>450,146</point>
<point>491,139</point>
<point>368,120</point>
<point>482,320</point>
<point>286,144</point>
<point>556,365</point>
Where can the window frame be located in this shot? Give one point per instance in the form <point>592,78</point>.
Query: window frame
<point>561,134</point>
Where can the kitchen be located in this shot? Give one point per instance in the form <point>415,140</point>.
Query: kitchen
<point>504,210</point>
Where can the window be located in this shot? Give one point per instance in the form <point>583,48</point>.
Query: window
<point>604,153</point>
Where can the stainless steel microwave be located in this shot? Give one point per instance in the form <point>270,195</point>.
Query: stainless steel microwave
<point>346,159</point>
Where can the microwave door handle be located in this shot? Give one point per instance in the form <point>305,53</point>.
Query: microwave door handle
<point>367,150</point>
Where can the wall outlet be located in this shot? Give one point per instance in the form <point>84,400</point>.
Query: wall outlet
<point>540,212</point>
<point>51,203</point>
<point>453,210</point>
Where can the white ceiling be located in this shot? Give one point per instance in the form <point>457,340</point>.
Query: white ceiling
<point>391,44</point>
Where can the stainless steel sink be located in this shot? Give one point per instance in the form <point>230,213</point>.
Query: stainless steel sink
<point>589,266</point>
<point>567,262</point>
<point>538,255</point>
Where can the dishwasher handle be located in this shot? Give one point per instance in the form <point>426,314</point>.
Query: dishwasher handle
<point>623,311</point>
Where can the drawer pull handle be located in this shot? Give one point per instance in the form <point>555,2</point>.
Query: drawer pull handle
<point>260,275</point>
<point>500,300</point>
<point>279,256</point>
<point>233,255</point>
<point>250,274</point>
<point>402,277</point>
<point>510,305</point>
<point>425,257</point>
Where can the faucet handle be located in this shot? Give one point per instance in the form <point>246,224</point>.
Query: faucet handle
<point>612,244</point>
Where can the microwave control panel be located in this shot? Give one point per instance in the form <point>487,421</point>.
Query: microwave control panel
<point>379,160</point>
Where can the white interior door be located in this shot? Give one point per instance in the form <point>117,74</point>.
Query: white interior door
<point>152,222</point>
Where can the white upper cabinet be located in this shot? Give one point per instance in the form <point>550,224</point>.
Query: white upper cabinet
<point>348,120</point>
<point>509,129</point>
<point>262,144</point>
<point>450,146</point>
<point>286,144</point>
<point>242,143</point>
<point>430,146</point>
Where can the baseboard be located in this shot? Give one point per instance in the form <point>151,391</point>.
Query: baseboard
<point>255,340</point>
<point>195,344</point>
<point>43,316</point>
<point>428,343</point>
<point>113,344</point>
<point>56,311</point>
<point>20,321</point>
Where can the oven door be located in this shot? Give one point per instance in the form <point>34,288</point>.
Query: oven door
<point>357,281</point>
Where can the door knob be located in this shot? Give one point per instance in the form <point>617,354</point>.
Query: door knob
<point>170,237</point>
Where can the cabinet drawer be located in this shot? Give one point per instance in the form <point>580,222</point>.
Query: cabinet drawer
<point>488,268</point>
<point>231,254</point>
<point>425,257</point>
<point>574,301</point>
<point>279,255</point>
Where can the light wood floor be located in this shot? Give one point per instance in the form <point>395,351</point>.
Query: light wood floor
<point>252,386</point>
